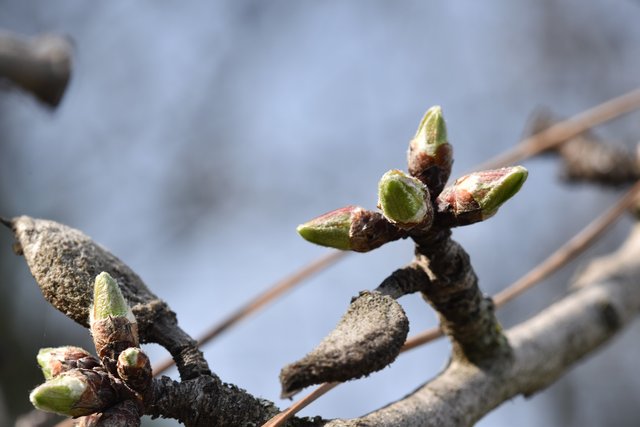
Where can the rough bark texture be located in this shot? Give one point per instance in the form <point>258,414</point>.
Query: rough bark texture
<point>370,230</point>
<point>466,315</point>
<point>544,348</point>
<point>64,261</point>
<point>403,281</point>
<point>206,401</point>
<point>368,338</point>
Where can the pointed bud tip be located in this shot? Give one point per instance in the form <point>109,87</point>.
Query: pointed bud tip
<point>432,131</point>
<point>59,395</point>
<point>44,359</point>
<point>488,189</point>
<point>505,187</point>
<point>133,357</point>
<point>403,199</point>
<point>331,229</point>
<point>108,299</point>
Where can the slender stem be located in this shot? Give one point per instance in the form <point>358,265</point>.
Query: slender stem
<point>422,338</point>
<point>567,252</point>
<point>261,300</point>
<point>567,129</point>
<point>298,406</point>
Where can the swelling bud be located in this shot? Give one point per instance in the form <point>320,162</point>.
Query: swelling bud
<point>61,395</point>
<point>55,360</point>
<point>430,155</point>
<point>477,196</point>
<point>350,228</point>
<point>404,200</point>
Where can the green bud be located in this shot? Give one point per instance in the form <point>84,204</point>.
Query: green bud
<point>330,229</point>
<point>61,395</point>
<point>492,188</point>
<point>56,360</point>
<point>108,300</point>
<point>477,196</point>
<point>432,131</point>
<point>404,200</point>
<point>430,155</point>
<point>132,357</point>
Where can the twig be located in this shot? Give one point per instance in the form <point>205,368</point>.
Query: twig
<point>6,222</point>
<point>40,65</point>
<point>567,252</point>
<point>261,300</point>
<point>566,129</point>
<point>298,406</point>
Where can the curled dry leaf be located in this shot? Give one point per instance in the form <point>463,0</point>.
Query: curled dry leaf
<point>64,261</point>
<point>368,338</point>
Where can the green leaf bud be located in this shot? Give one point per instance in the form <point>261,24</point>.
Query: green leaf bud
<point>56,360</point>
<point>75,393</point>
<point>430,155</point>
<point>61,395</point>
<point>108,300</point>
<point>350,228</point>
<point>477,196</point>
<point>404,200</point>
<point>330,229</point>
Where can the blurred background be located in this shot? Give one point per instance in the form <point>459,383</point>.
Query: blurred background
<point>195,136</point>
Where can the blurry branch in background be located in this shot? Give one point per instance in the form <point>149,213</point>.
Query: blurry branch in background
<point>260,301</point>
<point>567,129</point>
<point>563,255</point>
<point>40,65</point>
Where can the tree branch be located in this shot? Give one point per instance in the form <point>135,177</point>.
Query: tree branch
<point>41,65</point>
<point>544,348</point>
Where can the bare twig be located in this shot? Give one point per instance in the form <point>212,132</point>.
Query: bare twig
<point>261,300</point>
<point>40,65</point>
<point>567,252</point>
<point>298,406</point>
<point>567,129</point>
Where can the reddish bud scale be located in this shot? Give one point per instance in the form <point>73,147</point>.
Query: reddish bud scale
<point>370,230</point>
<point>111,336</point>
<point>432,169</point>
<point>457,207</point>
<point>479,195</point>
<point>350,228</point>
<point>77,392</point>
<point>55,361</point>
<point>134,368</point>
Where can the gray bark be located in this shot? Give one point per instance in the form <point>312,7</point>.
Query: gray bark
<point>603,301</point>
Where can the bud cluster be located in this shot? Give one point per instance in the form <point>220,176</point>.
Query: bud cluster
<point>477,196</point>
<point>79,383</point>
<point>411,203</point>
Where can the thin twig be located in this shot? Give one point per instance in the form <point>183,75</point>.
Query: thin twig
<point>261,300</point>
<point>567,252</point>
<point>283,416</point>
<point>566,129</point>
